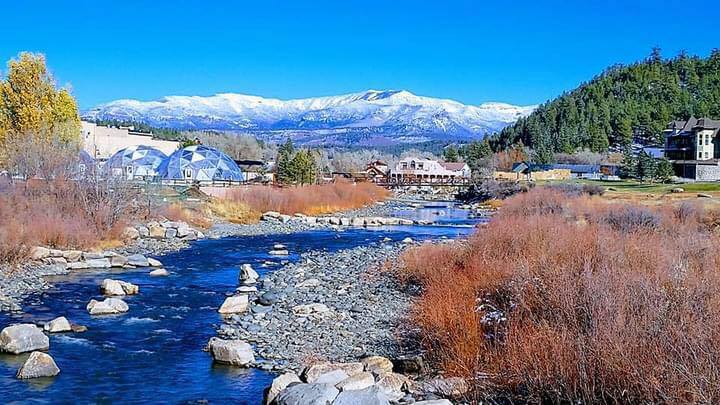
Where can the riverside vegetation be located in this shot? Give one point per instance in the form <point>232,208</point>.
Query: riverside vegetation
<point>566,297</point>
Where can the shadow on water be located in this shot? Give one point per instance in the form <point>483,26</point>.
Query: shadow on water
<point>154,353</point>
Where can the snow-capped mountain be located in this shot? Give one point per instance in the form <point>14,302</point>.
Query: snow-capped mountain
<point>389,116</point>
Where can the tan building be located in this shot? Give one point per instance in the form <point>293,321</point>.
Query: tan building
<point>101,142</point>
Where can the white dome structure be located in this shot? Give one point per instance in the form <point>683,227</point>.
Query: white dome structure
<point>135,162</point>
<point>200,163</point>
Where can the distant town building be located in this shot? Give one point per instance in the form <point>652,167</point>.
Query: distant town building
<point>377,171</point>
<point>101,142</point>
<point>561,171</point>
<point>694,148</point>
<point>428,170</point>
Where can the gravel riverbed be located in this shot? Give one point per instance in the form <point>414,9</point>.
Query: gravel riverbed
<point>327,306</point>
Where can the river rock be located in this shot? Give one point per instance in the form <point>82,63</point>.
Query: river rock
<point>279,384</point>
<point>677,190</point>
<point>372,395</point>
<point>233,352</point>
<point>704,195</point>
<point>407,241</point>
<point>307,394</point>
<point>159,273</point>
<point>268,298</point>
<point>279,252</point>
<point>171,233</point>
<point>377,365</point>
<point>23,338</point>
<point>393,385</point>
<point>156,231</point>
<point>332,377</point>
<point>79,328</point>
<point>235,304</point>
<point>246,289</point>
<point>312,372</point>
<point>107,307</point>
<point>73,256</point>
<point>38,365</point>
<point>434,402</point>
<point>409,365</point>
<point>117,287</point>
<point>356,382</point>
<point>138,260</point>
<point>39,253</point>
<point>154,262</point>
<point>130,233</point>
<point>310,309</point>
<point>311,282</point>
<point>58,325</point>
<point>248,275</point>
<point>102,263</point>
<point>118,261</point>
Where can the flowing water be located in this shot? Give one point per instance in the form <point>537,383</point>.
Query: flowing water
<point>154,352</point>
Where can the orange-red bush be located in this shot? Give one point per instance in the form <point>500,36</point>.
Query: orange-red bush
<point>573,299</point>
<point>309,200</point>
<point>56,214</point>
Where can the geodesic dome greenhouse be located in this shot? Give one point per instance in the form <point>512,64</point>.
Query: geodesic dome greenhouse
<point>135,161</point>
<point>201,163</point>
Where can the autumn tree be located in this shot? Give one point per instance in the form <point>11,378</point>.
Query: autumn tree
<point>31,105</point>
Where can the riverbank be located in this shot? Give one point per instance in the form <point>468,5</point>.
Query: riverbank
<point>16,283</point>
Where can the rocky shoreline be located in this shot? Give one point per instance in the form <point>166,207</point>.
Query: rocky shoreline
<point>19,282</point>
<point>335,306</point>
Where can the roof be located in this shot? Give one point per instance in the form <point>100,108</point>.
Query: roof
<point>455,166</point>
<point>707,123</point>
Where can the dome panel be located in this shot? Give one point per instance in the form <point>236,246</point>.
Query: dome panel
<point>199,162</point>
<point>135,161</point>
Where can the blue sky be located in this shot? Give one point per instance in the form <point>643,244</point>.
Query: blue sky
<point>521,52</point>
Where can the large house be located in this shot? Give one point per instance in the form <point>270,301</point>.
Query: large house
<point>694,148</point>
<point>428,170</point>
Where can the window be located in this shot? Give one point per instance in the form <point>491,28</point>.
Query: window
<point>412,164</point>
<point>699,140</point>
<point>706,155</point>
<point>699,155</point>
<point>187,173</point>
<point>420,166</point>
<point>403,165</point>
<point>707,139</point>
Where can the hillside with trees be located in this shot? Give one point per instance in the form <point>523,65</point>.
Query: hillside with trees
<point>621,104</point>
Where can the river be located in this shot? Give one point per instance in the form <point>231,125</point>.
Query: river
<point>154,352</point>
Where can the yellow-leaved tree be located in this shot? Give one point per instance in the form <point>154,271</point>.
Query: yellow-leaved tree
<point>32,106</point>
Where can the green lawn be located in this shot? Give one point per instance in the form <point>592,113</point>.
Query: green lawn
<point>636,186</point>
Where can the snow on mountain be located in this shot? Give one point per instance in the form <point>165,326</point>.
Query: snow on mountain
<point>394,115</point>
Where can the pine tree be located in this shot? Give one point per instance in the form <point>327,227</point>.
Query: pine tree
<point>450,154</point>
<point>664,171</point>
<point>629,165</point>
<point>646,167</point>
<point>284,163</point>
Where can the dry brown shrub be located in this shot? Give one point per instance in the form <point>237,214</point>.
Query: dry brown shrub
<point>570,299</point>
<point>309,200</point>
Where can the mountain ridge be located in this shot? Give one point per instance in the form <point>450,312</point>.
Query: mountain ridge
<point>397,116</point>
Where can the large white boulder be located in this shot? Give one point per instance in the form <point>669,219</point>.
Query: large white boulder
<point>138,260</point>
<point>235,304</point>
<point>159,273</point>
<point>372,395</point>
<point>108,306</point>
<point>23,338</point>
<point>233,352</point>
<point>38,365</point>
<point>118,287</point>
<point>39,253</point>
<point>154,262</point>
<point>279,384</point>
<point>310,309</point>
<point>58,325</point>
<point>307,394</point>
